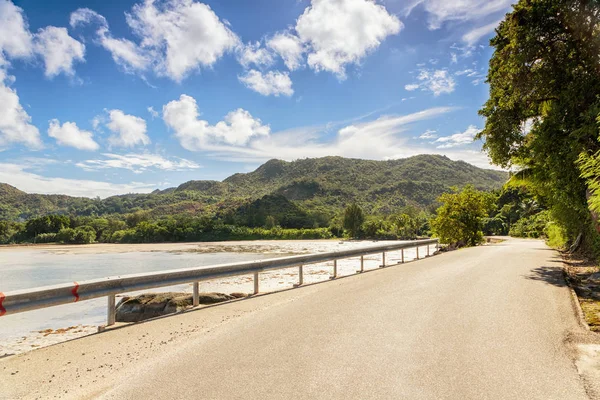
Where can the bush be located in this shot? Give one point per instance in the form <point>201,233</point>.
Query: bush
<point>65,235</point>
<point>556,235</point>
<point>531,227</point>
<point>80,235</point>
<point>460,219</point>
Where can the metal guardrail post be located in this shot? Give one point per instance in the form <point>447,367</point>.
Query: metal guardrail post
<point>417,252</point>
<point>112,311</point>
<point>300,275</point>
<point>402,252</point>
<point>427,250</point>
<point>334,269</point>
<point>362,263</point>
<point>382,260</point>
<point>256,283</point>
<point>196,295</point>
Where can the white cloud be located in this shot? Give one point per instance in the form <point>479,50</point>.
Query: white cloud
<point>435,81</point>
<point>15,123</point>
<point>472,37</point>
<point>453,58</point>
<point>138,163</point>
<point>18,176</point>
<point>129,130</point>
<point>272,83</point>
<point>428,134</point>
<point>441,11</point>
<point>237,128</point>
<point>59,50</point>
<point>458,139</point>
<point>289,47</point>
<point>177,37</point>
<point>84,16</point>
<point>187,35</point>
<point>341,32</point>
<point>467,72</point>
<point>153,112</point>
<point>15,39</point>
<point>124,53</point>
<point>254,53</point>
<point>381,138</point>
<point>68,134</point>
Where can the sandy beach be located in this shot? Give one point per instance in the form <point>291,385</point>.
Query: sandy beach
<point>64,263</point>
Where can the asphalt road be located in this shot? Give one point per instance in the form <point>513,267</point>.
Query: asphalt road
<point>492,322</point>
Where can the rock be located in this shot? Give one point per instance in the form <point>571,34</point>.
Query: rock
<point>594,278</point>
<point>212,298</point>
<point>151,305</point>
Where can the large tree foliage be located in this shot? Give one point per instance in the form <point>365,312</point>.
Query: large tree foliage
<point>544,81</point>
<point>353,219</point>
<point>460,218</point>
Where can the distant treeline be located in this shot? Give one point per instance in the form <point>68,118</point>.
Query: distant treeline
<point>511,210</point>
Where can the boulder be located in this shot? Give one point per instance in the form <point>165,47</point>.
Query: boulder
<point>151,305</point>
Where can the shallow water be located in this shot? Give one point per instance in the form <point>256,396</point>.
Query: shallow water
<point>35,267</point>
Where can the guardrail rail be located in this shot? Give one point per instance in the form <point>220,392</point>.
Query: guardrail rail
<point>33,299</point>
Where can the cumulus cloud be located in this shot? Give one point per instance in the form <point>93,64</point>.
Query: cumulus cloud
<point>15,123</point>
<point>458,139</point>
<point>341,32</point>
<point>440,11</point>
<point>19,176</point>
<point>69,134</point>
<point>237,128</point>
<point>272,83</point>
<point>15,39</point>
<point>289,47</point>
<point>59,50</point>
<point>176,37</point>
<point>128,130</point>
<point>125,53</point>
<point>436,81</point>
<point>254,53</point>
<point>138,163</point>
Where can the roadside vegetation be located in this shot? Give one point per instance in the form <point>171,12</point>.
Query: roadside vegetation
<point>542,113</point>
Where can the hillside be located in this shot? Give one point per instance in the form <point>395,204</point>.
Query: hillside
<point>322,185</point>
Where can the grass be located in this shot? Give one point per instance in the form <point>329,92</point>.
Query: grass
<point>591,311</point>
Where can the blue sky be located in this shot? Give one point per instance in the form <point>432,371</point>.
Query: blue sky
<point>100,98</point>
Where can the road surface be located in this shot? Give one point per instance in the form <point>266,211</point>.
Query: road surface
<point>492,322</point>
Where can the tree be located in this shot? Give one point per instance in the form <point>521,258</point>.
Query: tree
<point>544,81</point>
<point>460,218</point>
<point>353,219</point>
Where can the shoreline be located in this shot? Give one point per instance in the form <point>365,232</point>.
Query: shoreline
<point>208,247</point>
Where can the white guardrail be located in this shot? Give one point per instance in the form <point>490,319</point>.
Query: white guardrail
<point>33,299</point>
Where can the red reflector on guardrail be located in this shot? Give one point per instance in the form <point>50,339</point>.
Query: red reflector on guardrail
<point>2,309</point>
<point>74,291</point>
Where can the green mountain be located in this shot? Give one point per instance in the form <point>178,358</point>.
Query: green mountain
<point>319,186</point>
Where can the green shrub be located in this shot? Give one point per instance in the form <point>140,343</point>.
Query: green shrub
<point>531,227</point>
<point>556,235</point>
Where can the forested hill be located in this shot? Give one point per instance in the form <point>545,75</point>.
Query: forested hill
<point>323,185</point>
